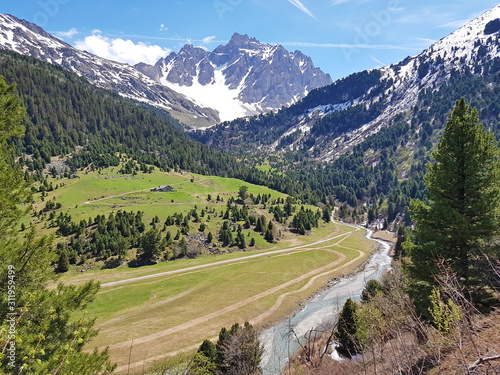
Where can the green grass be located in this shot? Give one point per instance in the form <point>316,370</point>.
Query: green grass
<point>96,193</point>
<point>132,311</point>
<point>212,289</point>
<point>212,297</point>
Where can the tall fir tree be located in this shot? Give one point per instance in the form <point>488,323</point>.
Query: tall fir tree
<point>346,330</point>
<point>40,330</point>
<point>464,200</point>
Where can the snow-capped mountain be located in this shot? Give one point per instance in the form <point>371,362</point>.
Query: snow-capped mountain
<point>337,117</point>
<point>29,39</point>
<point>242,78</point>
<point>198,88</point>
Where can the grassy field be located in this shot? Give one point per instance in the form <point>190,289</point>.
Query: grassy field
<point>168,313</point>
<point>101,193</point>
<point>96,193</point>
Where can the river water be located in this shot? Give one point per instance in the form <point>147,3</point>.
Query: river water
<point>320,313</point>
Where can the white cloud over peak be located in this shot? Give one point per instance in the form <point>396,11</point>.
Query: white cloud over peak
<point>208,39</point>
<point>120,49</point>
<point>66,34</point>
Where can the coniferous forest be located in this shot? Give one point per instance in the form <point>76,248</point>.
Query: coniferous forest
<point>429,179</point>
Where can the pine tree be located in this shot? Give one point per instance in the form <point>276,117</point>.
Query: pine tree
<point>398,248</point>
<point>464,200</point>
<point>63,262</point>
<point>243,193</point>
<point>183,246</point>
<point>44,331</point>
<point>346,330</point>
<point>150,244</point>
<point>327,214</point>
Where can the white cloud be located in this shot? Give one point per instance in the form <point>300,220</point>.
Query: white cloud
<point>120,49</point>
<point>208,39</point>
<point>455,24</point>
<point>338,2</point>
<point>163,27</point>
<point>66,34</point>
<point>347,45</point>
<point>302,7</point>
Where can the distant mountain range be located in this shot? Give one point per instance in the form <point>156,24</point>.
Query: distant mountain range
<point>197,87</point>
<point>244,77</point>
<point>333,119</point>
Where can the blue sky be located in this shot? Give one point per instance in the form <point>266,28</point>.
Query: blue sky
<point>341,36</point>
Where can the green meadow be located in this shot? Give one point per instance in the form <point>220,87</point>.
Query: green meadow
<point>174,312</point>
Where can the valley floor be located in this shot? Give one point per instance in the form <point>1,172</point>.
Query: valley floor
<point>146,314</point>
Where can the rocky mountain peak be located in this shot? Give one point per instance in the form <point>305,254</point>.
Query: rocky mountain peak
<point>243,77</point>
<point>238,40</point>
<point>337,117</point>
<point>200,88</point>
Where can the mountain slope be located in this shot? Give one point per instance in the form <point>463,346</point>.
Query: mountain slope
<point>244,77</point>
<point>335,118</point>
<point>28,39</point>
<point>66,115</point>
<point>198,88</point>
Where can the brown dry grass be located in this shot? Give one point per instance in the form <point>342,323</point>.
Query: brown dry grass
<point>485,343</point>
<point>386,236</point>
<point>453,359</point>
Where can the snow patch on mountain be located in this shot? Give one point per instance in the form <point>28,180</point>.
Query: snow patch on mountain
<point>242,78</point>
<point>216,95</point>
<point>28,39</point>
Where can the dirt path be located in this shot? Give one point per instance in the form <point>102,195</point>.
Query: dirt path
<point>116,195</point>
<point>229,261</point>
<point>146,340</point>
<point>281,298</point>
<point>153,341</point>
<point>227,309</point>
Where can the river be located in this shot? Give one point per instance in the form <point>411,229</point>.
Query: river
<point>320,313</point>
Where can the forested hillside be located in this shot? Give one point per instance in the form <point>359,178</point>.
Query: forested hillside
<point>388,165</point>
<point>66,113</point>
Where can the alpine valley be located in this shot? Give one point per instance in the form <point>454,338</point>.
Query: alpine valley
<point>198,88</point>
<point>237,188</point>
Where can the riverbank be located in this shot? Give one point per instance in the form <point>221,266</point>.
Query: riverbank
<point>281,341</point>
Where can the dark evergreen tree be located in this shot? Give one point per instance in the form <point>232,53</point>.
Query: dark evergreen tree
<point>464,200</point>
<point>183,246</point>
<point>346,330</point>
<point>243,193</point>
<point>327,214</point>
<point>63,262</point>
<point>150,244</point>
<point>399,251</point>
